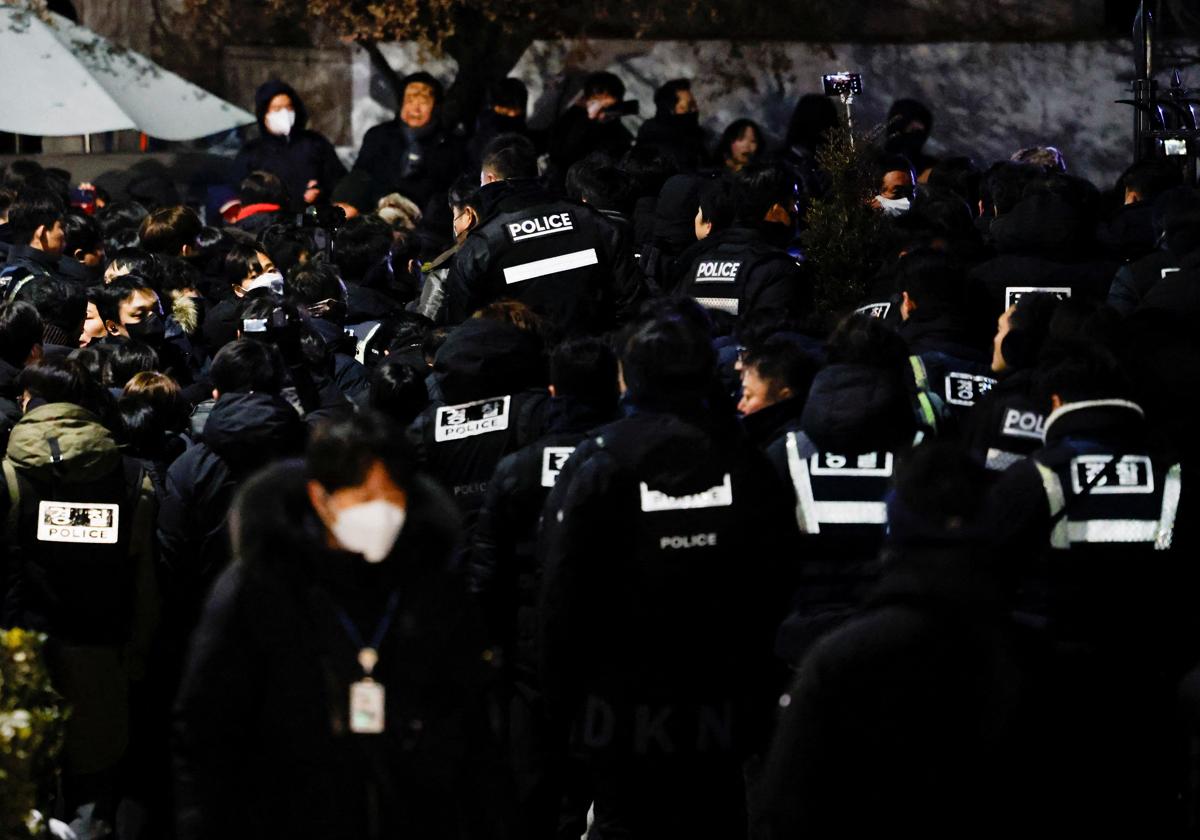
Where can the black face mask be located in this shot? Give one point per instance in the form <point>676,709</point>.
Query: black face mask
<point>686,122</point>
<point>150,330</point>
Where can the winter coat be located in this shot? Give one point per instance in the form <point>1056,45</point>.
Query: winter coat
<point>302,156</point>
<point>681,140</point>
<point>738,271</point>
<point>263,744</point>
<point>565,260</point>
<point>417,163</point>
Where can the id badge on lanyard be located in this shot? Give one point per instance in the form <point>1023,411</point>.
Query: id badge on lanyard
<point>367,697</point>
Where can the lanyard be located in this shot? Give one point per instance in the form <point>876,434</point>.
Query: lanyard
<point>368,654</point>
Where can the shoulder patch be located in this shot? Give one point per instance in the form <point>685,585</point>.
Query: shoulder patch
<point>965,389</point>
<point>553,460</point>
<point>875,310</point>
<point>721,495</point>
<point>1012,294</point>
<point>78,522</point>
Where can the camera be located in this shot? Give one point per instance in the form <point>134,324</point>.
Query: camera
<point>323,222</point>
<point>844,84</point>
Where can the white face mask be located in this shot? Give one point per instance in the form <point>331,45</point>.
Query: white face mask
<point>894,206</point>
<point>280,122</point>
<point>272,280</point>
<point>369,529</point>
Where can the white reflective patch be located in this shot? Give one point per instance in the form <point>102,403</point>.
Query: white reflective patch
<point>851,513</point>
<point>1133,474</point>
<point>78,522</point>
<point>654,501</point>
<point>1170,507</point>
<point>1113,531</point>
<point>999,460</point>
<point>541,226</point>
<point>1024,424</point>
<point>875,310</point>
<point>551,265</point>
<point>877,464</point>
<point>806,506</point>
<point>1057,501</point>
<point>717,271</point>
<point>1162,275</point>
<point>553,459</point>
<point>455,422</point>
<point>1012,294</point>
<point>693,541</point>
<point>729,305</point>
<point>964,388</point>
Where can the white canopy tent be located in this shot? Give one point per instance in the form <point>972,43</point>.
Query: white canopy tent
<point>59,79</point>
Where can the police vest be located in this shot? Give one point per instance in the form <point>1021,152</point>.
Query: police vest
<point>1104,498</point>
<point>835,490</point>
<point>1018,433</point>
<point>717,280</point>
<point>548,241</point>
<point>70,544</point>
<point>959,384</point>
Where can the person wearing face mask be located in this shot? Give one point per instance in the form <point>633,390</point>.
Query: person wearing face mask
<point>245,265</point>
<point>413,154</point>
<point>303,159</point>
<point>465,213</point>
<point>896,180</point>
<point>675,127</point>
<point>909,124</point>
<point>131,309</point>
<point>334,685</point>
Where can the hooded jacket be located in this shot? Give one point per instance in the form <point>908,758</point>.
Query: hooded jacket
<point>738,271</point>
<point>492,381</point>
<point>243,433</point>
<point>677,136</point>
<point>263,746</point>
<point>302,156</point>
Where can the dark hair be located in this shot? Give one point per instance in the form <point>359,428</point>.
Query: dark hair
<point>92,359</point>
<point>933,282</point>
<point>7,197</point>
<point>33,208</point>
<point>1004,185</point>
<point>941,496</point>
<point>341,453</point>
<point>781,361</point>
<point>667,358</point>
<point>585,368</point>
<point>757,188</point>
<point>734,131</point>
<point>119,217</point>
<point>509,93</point>
<point>109,298</point>
<point>464,192</point>
<point>59,303</point>
<point>398,389</point>
<point>812,118</point>
<point>423,78</point>
<point>905,111</point>
<point>863,340</point>
<point>890,162</point>
<point>58,380</point>
<point>244,366</point>
<point>361,244</point>
<point>314,283</point>
<point>603,82</point>
<point>1080,372</point>
<point>716,203</point>
<point>288,246</point>
<point>169,229</point>
<point>648,167</point>
<point>510,156</point>
<point>960,176</point>
<point>403,332</point>
<point>240,261</point>
<point>262,188</point>
<point>125,359</point>
<point>24,174</point>
<point>1150,178</point>
<point>667,96</point>
<point>178,274</point>
<point>82,233</point>
<point>138,262</point>
<point>596,182</point>
<point>151,408</point>
<point>20,331</point>
<point>1029,330</point>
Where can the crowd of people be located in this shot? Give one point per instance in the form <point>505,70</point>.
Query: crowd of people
<point>518,485</point>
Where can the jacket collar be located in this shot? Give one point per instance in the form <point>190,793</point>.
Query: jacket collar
<point>1092,415</point>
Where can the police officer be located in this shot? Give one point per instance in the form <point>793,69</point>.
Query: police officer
<point>1102,551</point>
<point>565,260</point>
<point>860,419</point>
<point>660,595</point>
<point>738,270</point>
<point>934,324</point>
<point>79,526</point>
<point>504,570</point>
<point>491,376</point>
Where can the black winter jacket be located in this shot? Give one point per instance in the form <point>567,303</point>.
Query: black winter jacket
<point>302,156</point>
<point>738,271</point>
<point>418,164</point>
